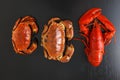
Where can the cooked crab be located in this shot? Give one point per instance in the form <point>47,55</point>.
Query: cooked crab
<point>55,37</point>
<point>22,34</point>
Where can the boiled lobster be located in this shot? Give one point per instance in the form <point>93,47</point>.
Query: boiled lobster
<point>98,32</point>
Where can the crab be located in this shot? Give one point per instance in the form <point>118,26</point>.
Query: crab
<point>55,37</point>
<point>22,35</point>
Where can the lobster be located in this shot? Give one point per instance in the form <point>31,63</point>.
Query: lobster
<point>98,32</point>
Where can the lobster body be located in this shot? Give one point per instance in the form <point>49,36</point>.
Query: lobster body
<point>98,32</point>
<point>95,49</point>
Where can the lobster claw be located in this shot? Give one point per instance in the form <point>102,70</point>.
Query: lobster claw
<point>87,18</point>
<point>108,27</point>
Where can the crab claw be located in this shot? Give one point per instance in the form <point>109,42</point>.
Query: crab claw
<point>31,22</point>
<point>69,35</point>
<point>68,54</point>
<point>69,29</point>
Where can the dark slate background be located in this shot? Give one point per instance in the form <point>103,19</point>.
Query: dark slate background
<point>35,66</point>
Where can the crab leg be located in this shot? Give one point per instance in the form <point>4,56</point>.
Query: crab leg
<point>68,54</point>
<point>32,47</point>
<point>16,24</point>
<point>87,18</point>
<point>108,27</point>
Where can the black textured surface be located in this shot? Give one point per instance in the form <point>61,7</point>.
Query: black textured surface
<point>35,66</point>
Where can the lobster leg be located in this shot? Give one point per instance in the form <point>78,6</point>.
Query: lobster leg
<point>86,37</point>
<point>86,43</point>
<point>108,27</point>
